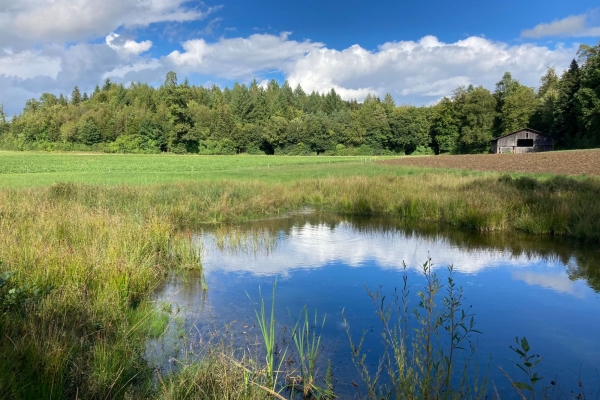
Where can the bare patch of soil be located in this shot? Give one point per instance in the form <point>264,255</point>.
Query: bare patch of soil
<point>577,162</point>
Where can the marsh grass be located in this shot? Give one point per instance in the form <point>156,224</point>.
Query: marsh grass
<point>104,249</point>
<point>235,240</point>
<point>85,337</point>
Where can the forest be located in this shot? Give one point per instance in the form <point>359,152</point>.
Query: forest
<point>182,118</point>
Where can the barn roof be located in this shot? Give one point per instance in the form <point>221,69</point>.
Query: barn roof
<point>521,130</point>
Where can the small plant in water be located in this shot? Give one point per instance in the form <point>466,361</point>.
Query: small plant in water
<point>274,359</point>
<point>308,345</point>
<point>527,388</point>
<point>528,364</point>
<point>422,365</point>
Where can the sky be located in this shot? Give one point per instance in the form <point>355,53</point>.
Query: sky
<point>416,51</point>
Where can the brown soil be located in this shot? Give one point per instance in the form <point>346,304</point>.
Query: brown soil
<point>560,162</point>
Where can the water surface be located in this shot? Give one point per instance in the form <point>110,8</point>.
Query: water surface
<point>518,285</point>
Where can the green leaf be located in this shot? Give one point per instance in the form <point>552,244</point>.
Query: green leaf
<point>522,386</point>
<point>525,344</point>
<point>523,369</point>
<point>517,351</point>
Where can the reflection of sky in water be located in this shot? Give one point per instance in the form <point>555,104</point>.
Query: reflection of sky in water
<point>326,267</point>
<point>314,246</point>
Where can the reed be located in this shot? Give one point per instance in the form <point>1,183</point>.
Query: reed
<point>274,357</point>
<point>308,346</point>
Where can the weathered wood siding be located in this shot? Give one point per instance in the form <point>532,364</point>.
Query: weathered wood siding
<point>509,143</point>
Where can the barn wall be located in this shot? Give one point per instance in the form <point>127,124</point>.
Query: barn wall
<point>540,142</point>
<point>494,148</point>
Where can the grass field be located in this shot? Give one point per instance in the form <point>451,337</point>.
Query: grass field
<point>19,169</point>
<point>102,231</point>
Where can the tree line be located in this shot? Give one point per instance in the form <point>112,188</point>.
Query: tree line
<point>183,118</point>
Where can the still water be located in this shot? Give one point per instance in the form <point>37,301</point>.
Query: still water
<point>518,285</point>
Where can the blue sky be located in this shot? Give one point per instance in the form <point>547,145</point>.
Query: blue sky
<point>340,24</point>
<point>417,51</point>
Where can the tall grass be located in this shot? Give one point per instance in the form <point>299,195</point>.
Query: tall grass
<point>558,206</point>
<point>104,250</point>
<point>85,338</point>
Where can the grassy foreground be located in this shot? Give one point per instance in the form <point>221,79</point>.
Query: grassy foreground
<point>74,317</point>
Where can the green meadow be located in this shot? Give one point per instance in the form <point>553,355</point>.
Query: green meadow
<point>85,239</point>
<point>33,169</point>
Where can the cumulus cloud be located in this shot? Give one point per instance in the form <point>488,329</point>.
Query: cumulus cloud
<point>419,71</point>
<point>573,26</point>
<point>56,69</point>
<point>28,64</point>
<point>241,57</point>
<point>115,42</point>
<point>56,21</point>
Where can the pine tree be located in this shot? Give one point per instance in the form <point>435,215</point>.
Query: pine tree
<point>75,96</point>
<point>107,85</point>
<point>300,98</point>
<point>62,100</point>
<point>333,102</point>
<point>241,103</point>
<point>543,117</point>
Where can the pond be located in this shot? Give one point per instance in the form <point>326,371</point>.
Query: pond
<point>546,289</point>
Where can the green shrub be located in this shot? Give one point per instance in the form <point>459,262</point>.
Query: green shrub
<point>133,144</point>
<point>366,150</point>
<point>423,151</point>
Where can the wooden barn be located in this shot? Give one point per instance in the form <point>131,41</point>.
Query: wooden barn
<point>523,141</point>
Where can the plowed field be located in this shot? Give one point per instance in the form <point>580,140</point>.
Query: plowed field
<point>560,162</point>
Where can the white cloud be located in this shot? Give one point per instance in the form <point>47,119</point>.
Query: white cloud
<point>241,57</point>
<point>131,46</point>
<point>28,64</point>
<point>57,69</point>
<point>124,70</point>
<point>58,21</point>
<point>419,71</point>
<point>572,26</point>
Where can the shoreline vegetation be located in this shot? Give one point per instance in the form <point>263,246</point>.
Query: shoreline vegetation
<point>85,258</point>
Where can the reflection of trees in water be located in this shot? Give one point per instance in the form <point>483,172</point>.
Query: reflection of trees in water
<point>581,260</point>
